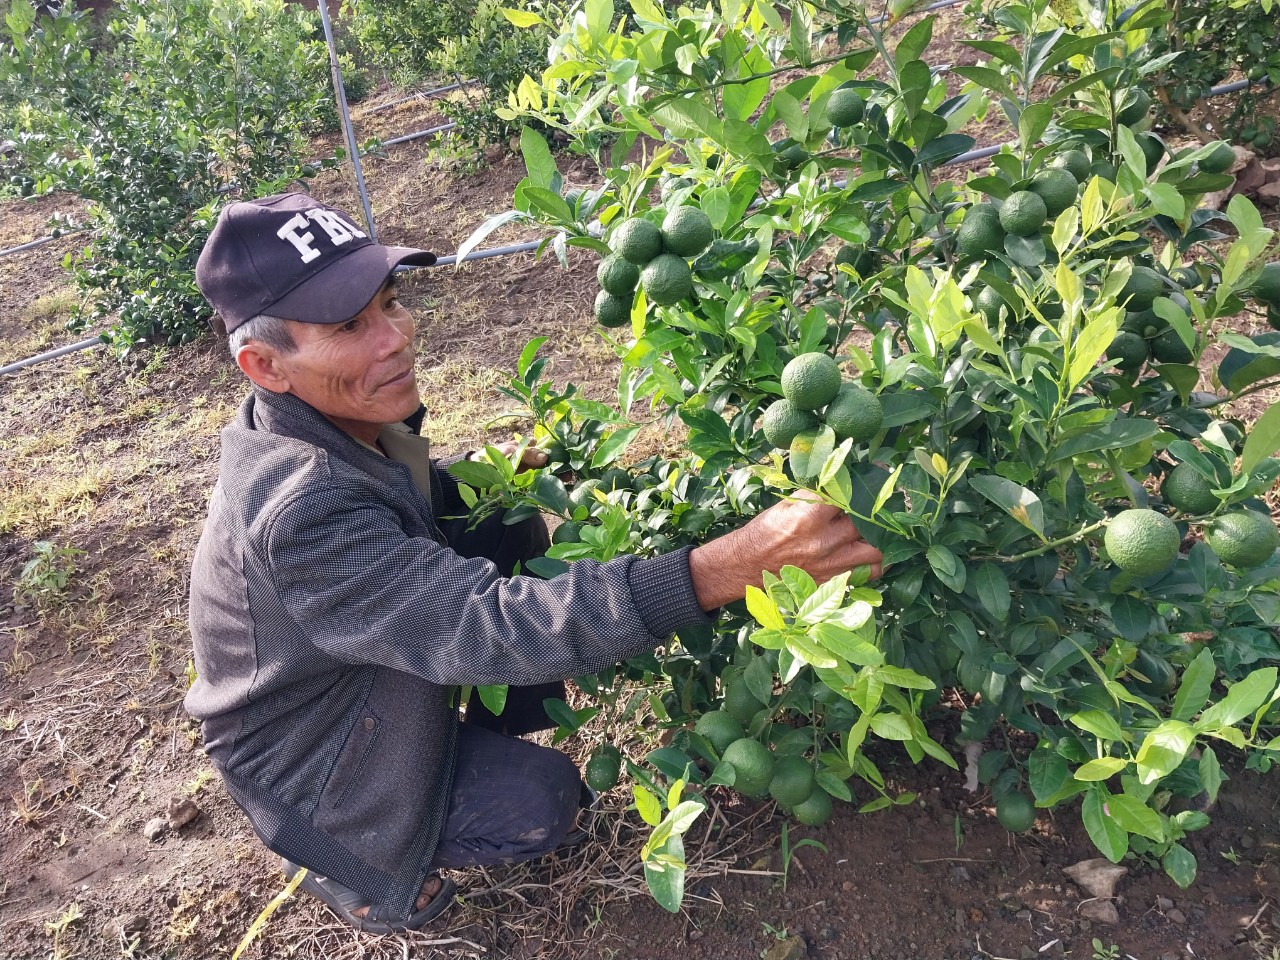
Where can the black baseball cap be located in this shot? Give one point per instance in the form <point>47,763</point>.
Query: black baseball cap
<point>293,257</point>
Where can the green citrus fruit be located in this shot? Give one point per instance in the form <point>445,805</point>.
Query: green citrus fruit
<point>1128,350</point>
<point>845,107</point>
<point>855,414</point>
<point>792,781</point>
<point>568,532</point>
<point>1152,148</point>
<point>612,311</point>
<point>1273,316</point>
<point>988,302</point>
<point>1142,288</point>
<point>1167,347</point>
<point>792,156</point>
<point>815,811</point>
<point>1023,213</point>
<point>1057,188</point>
<point>1076,162</point>
<point>782,421</point>
<point>603,768</point>
<point>637,240</point>
<point>811,380</point>
<point>980,232</point>
<point>740,703</point>
<point>720,729</point>
<point>1186,277</point>
<point>615,478</point>
<point>1142,542</point>
<point>618,275</point>
<point>1104,169</point>
<point>1267,287</point>
<point>1136,105</point>
<point>752,764</point>
<point>1243,538</point>
<point>1186,490</point>
<point>687,231</point>
<point>1016,812</point>
<point>666,280</point>
<point>1219,159</point>
<point>862,261</point>
<point>584,494</point>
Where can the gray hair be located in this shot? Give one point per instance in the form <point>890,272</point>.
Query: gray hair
<point>273,331</point>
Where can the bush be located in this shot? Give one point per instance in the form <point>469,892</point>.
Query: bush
<point>157,120</point>
<point>464,40</point>
<point>1007,440</point>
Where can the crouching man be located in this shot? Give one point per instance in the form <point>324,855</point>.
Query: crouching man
<point>335,610</point>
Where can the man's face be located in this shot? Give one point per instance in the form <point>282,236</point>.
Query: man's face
<point>360,373</point>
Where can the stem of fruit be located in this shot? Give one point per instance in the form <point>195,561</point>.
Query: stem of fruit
<point>1054,544</point>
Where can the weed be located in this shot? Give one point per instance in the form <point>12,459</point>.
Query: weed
<point>9,722</point>
<point>20,661</point>
<point>789,850</point>
<point>199,782</point>
<point>1104,953</point>
<point>58,927</point>
<point>43,581</point>
<point>1231,856</point>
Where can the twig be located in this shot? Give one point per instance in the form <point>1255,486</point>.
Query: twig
<point>1265,904</point>
<point>91,810</point>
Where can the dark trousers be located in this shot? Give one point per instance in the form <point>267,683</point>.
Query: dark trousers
<point>511,799</point>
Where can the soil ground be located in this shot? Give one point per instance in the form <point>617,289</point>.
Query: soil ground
<point>117,461</point>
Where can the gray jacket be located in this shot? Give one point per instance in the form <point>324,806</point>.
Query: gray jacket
<point>331,623</point>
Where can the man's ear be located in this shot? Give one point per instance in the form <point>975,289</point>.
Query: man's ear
<point>260,362</point>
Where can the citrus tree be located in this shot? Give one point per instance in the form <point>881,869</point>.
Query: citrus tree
<point>997,373</point>
<point>157,116</point>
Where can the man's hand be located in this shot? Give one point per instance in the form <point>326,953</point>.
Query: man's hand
<point>531,459</point>
<point>816,537</point>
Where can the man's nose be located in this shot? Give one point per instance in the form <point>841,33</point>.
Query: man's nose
<point>397,333</point>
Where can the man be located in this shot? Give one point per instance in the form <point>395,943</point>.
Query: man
<point>334,611</point>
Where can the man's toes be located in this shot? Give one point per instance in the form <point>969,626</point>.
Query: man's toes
<point>430,889</point>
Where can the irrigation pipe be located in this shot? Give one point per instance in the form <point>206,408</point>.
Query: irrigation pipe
<point>52,354</point>
<point>426,95</point>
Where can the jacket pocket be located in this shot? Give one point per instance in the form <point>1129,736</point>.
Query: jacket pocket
<point>351,760</point>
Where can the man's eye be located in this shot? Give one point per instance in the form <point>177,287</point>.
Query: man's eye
<point>351,325</point>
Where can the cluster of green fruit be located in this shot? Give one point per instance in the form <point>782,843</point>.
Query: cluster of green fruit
<point>1024,212</point>
<point>1144,542</point>
<point>789,779</point>
<point>814,393</point>
<point>656,259</point>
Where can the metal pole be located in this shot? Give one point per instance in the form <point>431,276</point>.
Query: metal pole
<point>340,93</point>
<point>52,354</point>
<point>419,135</point>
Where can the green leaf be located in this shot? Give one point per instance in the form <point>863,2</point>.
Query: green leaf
<point>1107,835</point>
<point>890,726</point>
<point>665,878</point>
<point>762,607</point>
<point>947,567</point>
<point>902,677</point>
<point>1166,200</point>
<point>1098,333</point>
<point>1049,773</point>
<point>992,587</point>
<point>1242,699</point>
<point>1109,436</point>
<point>1193,691</point>
<point>647,805</point>
<point>1164,749</point>
<point>537,158</point>
<point>1263,440</point>
<point>494,696</point>
<point>1015,499</point>
<point>522,18</point>
<point>1180,864</point>
<point>617,442</point>
<point>1136,817</point>
<point>1211,775</point>
<point>1103,768</point>
<point>1101,724</point>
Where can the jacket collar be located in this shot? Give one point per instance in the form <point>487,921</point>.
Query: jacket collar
<point>286,415</point>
